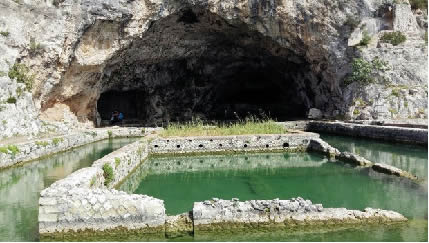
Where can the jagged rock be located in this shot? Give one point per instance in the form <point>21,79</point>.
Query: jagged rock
<point>355,159</point>
<point>388,169</point>
<point>315,113</point>
<point>193,58</point>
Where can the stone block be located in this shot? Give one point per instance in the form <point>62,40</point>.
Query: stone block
<point>48,217</point>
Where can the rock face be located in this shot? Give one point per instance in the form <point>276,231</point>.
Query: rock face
<point>174,60</point>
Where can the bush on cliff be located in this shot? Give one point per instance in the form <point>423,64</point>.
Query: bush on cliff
<point>394,38</point>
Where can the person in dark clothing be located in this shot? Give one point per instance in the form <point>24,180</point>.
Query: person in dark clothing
<point>114,118</point>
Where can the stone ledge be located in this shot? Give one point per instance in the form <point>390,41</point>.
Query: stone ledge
<point>214,215</point>
<point>386,133</point>
<point>32,150</point>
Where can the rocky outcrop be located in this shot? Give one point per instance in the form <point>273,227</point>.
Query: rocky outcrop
<point>192,58</point>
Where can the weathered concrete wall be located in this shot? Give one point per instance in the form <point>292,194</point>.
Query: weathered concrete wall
<point>38,148</point>
<point>218,215</point>
<point>232,143</point>
<point>387,133</point>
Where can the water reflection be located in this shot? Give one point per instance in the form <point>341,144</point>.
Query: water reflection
<point>20,186</point>
<point>407,157</point>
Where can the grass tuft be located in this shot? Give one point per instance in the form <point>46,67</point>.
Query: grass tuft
<point>250,125</point>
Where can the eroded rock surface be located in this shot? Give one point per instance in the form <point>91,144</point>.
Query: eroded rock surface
<point>208,59</point>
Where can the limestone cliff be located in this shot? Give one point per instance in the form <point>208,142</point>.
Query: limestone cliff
<point>207,58</point>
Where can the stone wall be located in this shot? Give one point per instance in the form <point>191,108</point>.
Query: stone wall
<point>85,202</point>
<point>232,143</point>
<point>219,215</point>
<point>387,133</point>
<point>26,151</point>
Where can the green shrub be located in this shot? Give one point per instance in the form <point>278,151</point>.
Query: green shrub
<point>10,148</point>
<point>352,22</point>
<point>20,72</point>
<point>395,92</point>
<point>11,100</point>
<point>362,71</point>
<point>42,143</point>
<point>4,33</point>
<point>419,4</point>
<point>394,38</point>
<point>365,39</point>
<point>13,148</point>
<point>108,174</point>
<point>35,47</point>
<point>356,112</point>
<point>3,150</point>
<point>117,162</point>
<point>19,91</point>
<point>56,141</point>
<point>92,183</point>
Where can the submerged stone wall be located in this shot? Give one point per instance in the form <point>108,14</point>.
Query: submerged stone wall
<point>27,151</point>
<point>85,201</point>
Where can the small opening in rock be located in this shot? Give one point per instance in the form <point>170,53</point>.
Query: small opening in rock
<point>188,17</point>
<point>266,146</point>
<point>155,146</point>
<point>178,145</point>
<point>285,145</point>
<point>200,146</point>
<point>245,145</point>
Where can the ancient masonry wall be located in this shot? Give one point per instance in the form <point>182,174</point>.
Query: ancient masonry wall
<point>85,201</point>
<point>27,151</point>
<point>387,133</point>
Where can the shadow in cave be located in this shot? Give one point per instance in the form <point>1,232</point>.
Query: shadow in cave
<point>195,64</point>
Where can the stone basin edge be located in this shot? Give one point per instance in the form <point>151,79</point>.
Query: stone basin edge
<point>83,202</point>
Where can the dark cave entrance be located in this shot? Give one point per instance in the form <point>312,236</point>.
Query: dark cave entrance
<point>196,64</point>
<point>130,103</point>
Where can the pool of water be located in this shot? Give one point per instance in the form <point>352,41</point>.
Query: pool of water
<point>411,158</point>
<point>181,181</point>
<point>20,186</point>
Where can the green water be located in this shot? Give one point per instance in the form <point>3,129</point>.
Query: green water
<point>411,158</point>
<point>20,186</point>
<point>269,176</point>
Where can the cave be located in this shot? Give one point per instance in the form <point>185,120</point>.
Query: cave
<point>195,64</point>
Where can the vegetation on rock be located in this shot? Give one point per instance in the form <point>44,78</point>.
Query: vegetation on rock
<point>4,33</point>
<point>366,39</point>
<point>11,100</point>
<point>108,174</point>
<point>394,38</point>
<point>363,71</point>
<point>250,125</point>
<point>20,72</point>
<point>117,162</point>
<point>10,148</point>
